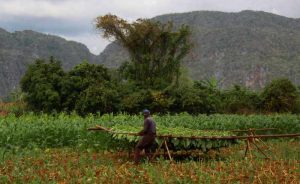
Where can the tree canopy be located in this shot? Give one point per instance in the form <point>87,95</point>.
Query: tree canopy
<point>42,84</point>
<point>156,50</point>
<point>279,96</point>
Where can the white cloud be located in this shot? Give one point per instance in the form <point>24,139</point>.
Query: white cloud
<point>94,42</point>
<point>65,9</point>
<point>75,17</point>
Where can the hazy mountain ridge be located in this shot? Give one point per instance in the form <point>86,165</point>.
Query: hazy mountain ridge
<point>248,48</point>
<point>21,48</point>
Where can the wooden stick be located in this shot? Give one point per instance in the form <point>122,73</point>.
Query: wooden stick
<point>254,129</point>
<point>157,150</point>
<point>98,127</point>
<point>166,145</point>
<point>258,148</point>
<point>247,147</point>
<point>231,137</point>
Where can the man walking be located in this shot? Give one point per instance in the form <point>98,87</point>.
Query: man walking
<point>148,133</point>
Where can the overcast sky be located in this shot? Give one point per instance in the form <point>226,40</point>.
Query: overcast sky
<point>73,19</point>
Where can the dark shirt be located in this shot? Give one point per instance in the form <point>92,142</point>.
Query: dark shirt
<point>149,127</point>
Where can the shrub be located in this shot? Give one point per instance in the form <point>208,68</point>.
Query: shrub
<point>240,100</point>
<point>42,85</point>
<point>279,96</point>
<point>136,101</point>
<point>97,98</point>
<point>80,82</point>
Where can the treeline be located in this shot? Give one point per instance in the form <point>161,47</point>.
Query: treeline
<point>90,88</point>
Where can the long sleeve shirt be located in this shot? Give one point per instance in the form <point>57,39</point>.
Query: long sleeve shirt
<point>149,127</point>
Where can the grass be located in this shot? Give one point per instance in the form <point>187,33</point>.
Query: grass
<point>66,165</point>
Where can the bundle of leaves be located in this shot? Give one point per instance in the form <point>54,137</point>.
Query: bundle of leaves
<point>174,140</point>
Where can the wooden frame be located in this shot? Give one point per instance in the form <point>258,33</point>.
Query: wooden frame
<point>250,139</point>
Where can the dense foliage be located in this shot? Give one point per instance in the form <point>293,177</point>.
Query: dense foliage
<point>240,100</point>
<point>279,96</point>
<point>87,88</point>
<point>42,85</point>
<point>90,88</point>
<point>156,50</point>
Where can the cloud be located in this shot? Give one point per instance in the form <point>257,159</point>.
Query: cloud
<point>133,9</point>
<point>94,42</point>
<point>56,9</point>
<point>46,24</point>
<point>73,19</point>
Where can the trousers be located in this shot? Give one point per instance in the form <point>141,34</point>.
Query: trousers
<point>145,143</point>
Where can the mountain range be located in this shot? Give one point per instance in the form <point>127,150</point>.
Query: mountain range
<point>248,48</point>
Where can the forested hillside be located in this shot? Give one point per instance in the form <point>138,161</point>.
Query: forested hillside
<point>247,48</point>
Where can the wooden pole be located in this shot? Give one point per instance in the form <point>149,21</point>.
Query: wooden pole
<point>157,150</point>
<point>247,147</point>
<point>230,137</point>
<point>258,148</point>
<point>254,129</point>
<point>166,146</point>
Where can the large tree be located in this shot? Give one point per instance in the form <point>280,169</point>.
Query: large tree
<point>88,88</point>
<point>155,49</point>
<point>42,85</point>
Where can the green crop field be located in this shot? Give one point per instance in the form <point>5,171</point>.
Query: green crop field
<point>59,149</point>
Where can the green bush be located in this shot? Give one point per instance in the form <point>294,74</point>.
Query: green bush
<point>80,86</point>
<point>160,102</point>
<point>279,96</point>
<point>135,101</point>
<point>87,88</point>
<point>42,85</point>
<point>297,105</point>
<point>240,100</point>
<point>194,100</point>
<point>97,98</point>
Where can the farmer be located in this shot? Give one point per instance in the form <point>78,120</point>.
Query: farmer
<point>148,133</point>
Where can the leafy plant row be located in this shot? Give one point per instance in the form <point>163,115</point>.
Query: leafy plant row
<point>61,130</point>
